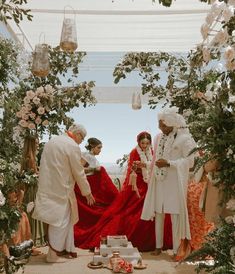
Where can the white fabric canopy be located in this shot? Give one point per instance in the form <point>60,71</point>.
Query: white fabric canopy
<point>122,25</point>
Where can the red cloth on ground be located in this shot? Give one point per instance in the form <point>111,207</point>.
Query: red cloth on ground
<point>123,218</point>
<point>104,192</point>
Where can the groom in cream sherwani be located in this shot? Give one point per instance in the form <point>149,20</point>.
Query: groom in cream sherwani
<point>169,176</point>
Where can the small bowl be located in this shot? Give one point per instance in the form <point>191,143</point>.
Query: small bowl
<point>94,265</point>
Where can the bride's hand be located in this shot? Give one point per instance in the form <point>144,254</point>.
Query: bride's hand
<point>90,199</point>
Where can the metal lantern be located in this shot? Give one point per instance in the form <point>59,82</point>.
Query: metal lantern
<point>136,100</point>
<point>41,65</point>
<point>68,39</point>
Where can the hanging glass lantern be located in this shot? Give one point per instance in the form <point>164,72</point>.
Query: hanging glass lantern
<point>68,39</point>
<point>136,100</point>
<point>41,65</point>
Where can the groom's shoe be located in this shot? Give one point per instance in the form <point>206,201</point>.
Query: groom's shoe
<point>156,252</point>
<point>52,257</point>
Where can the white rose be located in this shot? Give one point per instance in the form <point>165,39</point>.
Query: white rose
<point>206,55</point>
<point>205,30</point>
<point>231,3</point>
<point>231,99</point>
<point>219,67</point>
<point>209,86</point>
<point>229,219</point>
<point>229,53</point>
<point>217,85</point>
<point>217,7</point>
<point>30,207</point>
<point>210,18</point>
<point>2,199</point>
<point>231,204</point>
<point>228,13</point>
<point>209,95</point>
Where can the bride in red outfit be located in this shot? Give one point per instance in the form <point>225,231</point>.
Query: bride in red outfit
<point>102,187</point>
<point>123,216</point>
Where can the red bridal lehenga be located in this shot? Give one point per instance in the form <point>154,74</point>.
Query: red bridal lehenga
<point>122,217</point>
<point>104,192</point>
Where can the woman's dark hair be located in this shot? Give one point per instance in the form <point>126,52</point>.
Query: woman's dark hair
<point>92,142</point>
<point>144,135</point>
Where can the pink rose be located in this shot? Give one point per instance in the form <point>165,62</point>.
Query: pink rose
<point>31,126</point>
<point>23,123</point>
<point>38,120</point>
<point>41,110</point>
<point>45,123</point>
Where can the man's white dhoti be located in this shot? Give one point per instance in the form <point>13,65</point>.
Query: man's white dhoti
<point>62,238</point>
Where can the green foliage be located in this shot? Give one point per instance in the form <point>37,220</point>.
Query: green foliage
<point>9,215</point>
<point>122,160</point>
<point>206,98</point>
<point>11,10</point>
<point>64,69</point>
<point>8,63</point>
<point>219,245</point>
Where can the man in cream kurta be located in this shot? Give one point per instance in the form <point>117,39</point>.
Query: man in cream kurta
<point>55,203</point>
<point>169,176</point>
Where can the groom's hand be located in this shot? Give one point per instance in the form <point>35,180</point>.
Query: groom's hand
<point>162,163</point>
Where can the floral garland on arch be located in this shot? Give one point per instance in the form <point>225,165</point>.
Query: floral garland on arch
<point>36,109</point>
<point>45,108</point>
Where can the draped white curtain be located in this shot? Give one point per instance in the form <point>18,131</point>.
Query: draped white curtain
<point>123,25</point>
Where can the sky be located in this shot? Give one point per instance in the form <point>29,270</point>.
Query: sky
<point>117,126</point>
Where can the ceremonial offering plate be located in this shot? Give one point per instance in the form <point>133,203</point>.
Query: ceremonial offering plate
<point>94,265</point>
<point>140,266</point>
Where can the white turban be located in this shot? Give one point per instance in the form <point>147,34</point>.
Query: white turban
<point>172,118</point>
<point>75,128</point>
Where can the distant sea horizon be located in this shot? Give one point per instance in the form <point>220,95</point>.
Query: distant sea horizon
<point>113,168</point>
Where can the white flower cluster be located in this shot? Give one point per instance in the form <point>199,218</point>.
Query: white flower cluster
<point>219,12</point>
<point>36,107</point>
<point>231,206</point>
<point>2,199</point>
<point>212,90</point>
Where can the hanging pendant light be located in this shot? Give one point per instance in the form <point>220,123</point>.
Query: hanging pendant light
<point>68,39</point>
<point>136,100</point>
<point>40,64</point>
